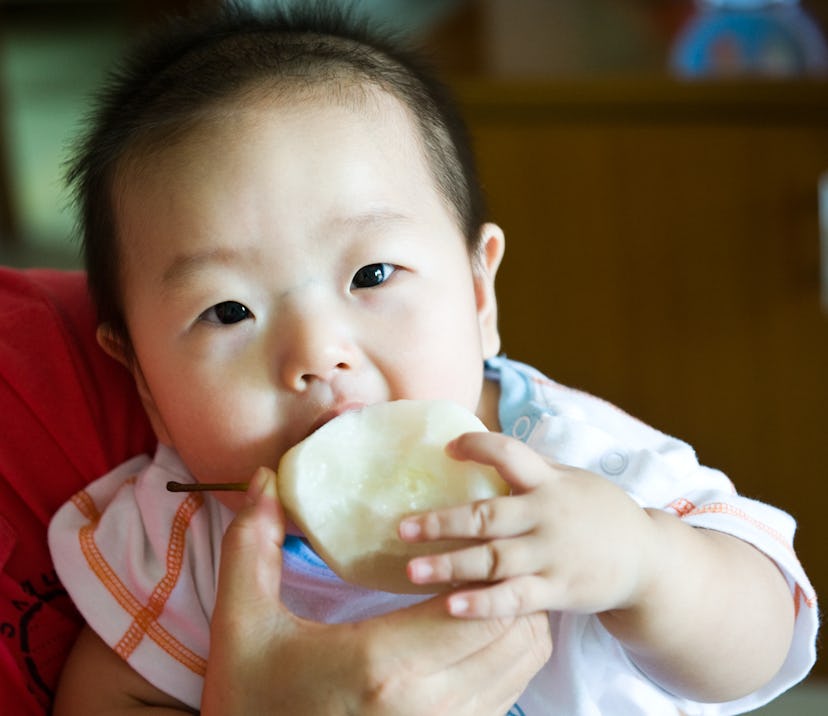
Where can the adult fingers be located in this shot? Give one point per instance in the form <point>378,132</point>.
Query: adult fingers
<point>431,640</point>
<point>251,555</point>
<point>429,656</point>
<point>247,613</point>
<point>500,672</point>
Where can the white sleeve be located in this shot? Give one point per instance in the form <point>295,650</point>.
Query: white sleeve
<point>661,472</point>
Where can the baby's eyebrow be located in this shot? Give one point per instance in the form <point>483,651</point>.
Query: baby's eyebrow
<point>184,266</point>
<point>373,217</point>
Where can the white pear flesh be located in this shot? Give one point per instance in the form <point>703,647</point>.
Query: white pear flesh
<point>349,484</point>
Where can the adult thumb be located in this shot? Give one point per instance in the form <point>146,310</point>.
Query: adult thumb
<point>248,611</point>
<point>251,554</point>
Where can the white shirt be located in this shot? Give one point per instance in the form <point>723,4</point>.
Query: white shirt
<point>141,563</point>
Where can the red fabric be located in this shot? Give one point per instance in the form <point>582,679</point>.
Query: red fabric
<point>68,414</point>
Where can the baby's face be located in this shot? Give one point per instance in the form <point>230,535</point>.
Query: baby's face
<point>283,265</point>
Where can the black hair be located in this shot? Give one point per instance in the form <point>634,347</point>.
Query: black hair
<point>193,63</point>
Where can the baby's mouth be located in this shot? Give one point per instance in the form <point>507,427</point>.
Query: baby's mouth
<point>291,528</point>
<point>329,415</point>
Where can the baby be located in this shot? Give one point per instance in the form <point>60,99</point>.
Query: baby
<point>282,223</point>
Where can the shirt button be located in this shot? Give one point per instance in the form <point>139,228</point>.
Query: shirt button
<point>521,428</point>
<point>614,462</point>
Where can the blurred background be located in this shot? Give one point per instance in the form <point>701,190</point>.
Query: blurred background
<point>656,165</point>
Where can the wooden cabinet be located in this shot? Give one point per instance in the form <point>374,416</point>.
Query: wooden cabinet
<point>663,253</point>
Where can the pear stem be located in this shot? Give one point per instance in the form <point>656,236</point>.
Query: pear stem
<point>173,486</point>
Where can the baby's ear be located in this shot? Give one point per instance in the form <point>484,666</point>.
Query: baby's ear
<point>113,344</point>
<point>117,347</point>
<point>492,244</point>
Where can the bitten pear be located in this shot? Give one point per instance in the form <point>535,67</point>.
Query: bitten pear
<point>349,484</point>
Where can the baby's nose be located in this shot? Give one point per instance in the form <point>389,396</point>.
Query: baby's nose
<point>315,345</point>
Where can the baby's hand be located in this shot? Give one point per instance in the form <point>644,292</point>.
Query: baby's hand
<point>565,539</point>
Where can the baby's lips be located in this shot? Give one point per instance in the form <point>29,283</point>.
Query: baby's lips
<point>335,412</point>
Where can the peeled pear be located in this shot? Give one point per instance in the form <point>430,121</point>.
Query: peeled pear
<point>349,484</point>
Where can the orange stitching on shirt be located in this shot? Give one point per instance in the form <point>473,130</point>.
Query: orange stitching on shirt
<point>799,595</point>
<point>85,505</point>
<point>681,506</point>
<point>145,617</point>
<point>724,508</point>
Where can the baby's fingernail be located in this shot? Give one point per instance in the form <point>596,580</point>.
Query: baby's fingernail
<point>409,529</point>
<point>458,606</point>
<point>419,570</point>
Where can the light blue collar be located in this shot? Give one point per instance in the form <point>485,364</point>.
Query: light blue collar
<point>519,407</point>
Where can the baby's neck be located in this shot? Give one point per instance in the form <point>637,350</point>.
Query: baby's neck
<point>488,408</point>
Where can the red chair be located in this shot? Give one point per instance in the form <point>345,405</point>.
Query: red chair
<point>68,414</point>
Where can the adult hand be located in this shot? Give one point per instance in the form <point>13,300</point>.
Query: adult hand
<point>264,659</point>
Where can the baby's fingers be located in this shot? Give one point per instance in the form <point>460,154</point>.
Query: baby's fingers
<point>485,519</point>
<point>513,597</point>
<point>487,562</point>
<point>517,463</point>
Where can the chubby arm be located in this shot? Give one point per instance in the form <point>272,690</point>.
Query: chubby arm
<point>95,680</point>
<point>706,615</point>
<point>713,622</point>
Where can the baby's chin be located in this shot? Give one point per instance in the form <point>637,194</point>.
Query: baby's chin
<point>292,529</point>
<point>235,501</point>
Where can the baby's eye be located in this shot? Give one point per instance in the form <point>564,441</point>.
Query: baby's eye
<point>226,312</point>
<point>372,275</point>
